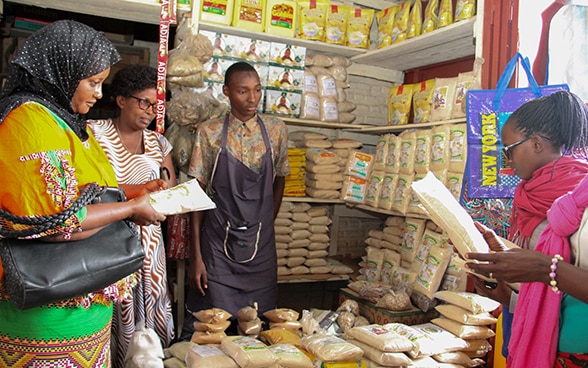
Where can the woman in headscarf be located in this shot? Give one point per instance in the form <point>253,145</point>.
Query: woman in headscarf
<point>46,156</point>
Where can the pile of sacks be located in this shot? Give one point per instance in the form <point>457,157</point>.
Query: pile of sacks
<point>302,239</point>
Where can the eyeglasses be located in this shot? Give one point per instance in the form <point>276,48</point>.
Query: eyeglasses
<point>506,150</point>
<point>144,104</point>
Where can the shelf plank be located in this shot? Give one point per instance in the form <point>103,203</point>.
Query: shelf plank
<point>398,128</point>
<point>309,44</point>
<point>135,11</point>
<point>447,43</point>
<point>390,212</point>
<point>367,129</point>
<point>312,200</point>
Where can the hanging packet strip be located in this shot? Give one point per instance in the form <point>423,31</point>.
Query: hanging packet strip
<point>487,112</point>
<point>167,16</point>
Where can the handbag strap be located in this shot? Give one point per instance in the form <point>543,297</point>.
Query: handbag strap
<point>38,224</point>
<point>506,76</point>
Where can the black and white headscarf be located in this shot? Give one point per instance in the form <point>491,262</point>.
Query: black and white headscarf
<point>50,65</point>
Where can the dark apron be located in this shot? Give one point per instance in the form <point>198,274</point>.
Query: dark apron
<point>238,241</point>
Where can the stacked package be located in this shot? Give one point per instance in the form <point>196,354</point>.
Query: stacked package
<point>412,255</point>
<point>302,239</point>
<point>294,183</point>
<point>400,160</point>
<point>467,316</point>
<point>358,177</point>
<point>210,326</point>
<point>324,97</point>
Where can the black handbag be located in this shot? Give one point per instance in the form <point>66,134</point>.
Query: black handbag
<point>38,272</point>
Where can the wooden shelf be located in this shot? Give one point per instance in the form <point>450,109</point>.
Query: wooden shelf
<point>398,128</point>
<point>310,45</point>
<point>312,200</point>
<point>447,43</point>
<point>368,129</point>
<point>136,11</point>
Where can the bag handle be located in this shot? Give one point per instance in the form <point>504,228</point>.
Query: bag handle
<point>34,225</point>
<point>507,76</point>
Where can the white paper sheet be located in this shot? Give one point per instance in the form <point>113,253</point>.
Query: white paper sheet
<point>183,198</point>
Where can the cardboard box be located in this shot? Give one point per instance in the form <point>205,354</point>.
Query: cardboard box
<point>382,316</point>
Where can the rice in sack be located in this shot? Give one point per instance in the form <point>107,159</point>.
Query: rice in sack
<point>465,317</point>
<point>392,161</point>
<point>472,302</point>
<point>374,188</point>
<point>407,152</point>
<point>381,338</point>
<point>359,164</point>
<point>330,348</point>
<point>381,152</point>
<point>391,261</point>
<point>463,331</point>
<point>458,147</point>
<point>208,356</point>
<point>289,356</point>
<point>304,135</point>
<point>455,357</point>
<point>384,358</point>
<point>422,155</point>
<point>431,272</point>
<point>179,349</point>
<point>388,191</point>
<point>248,352</point>
<point>447,212</point>
<point>310,106</point>
<point>354,190</point>
<point>429,338</point>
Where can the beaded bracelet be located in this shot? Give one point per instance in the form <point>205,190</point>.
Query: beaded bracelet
<point>553,274</point>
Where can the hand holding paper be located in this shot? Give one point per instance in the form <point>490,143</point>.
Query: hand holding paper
<point>183,198</point>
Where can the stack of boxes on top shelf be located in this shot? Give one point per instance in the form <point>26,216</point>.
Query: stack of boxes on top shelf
<point>333,22</point>
<point>279,65</point>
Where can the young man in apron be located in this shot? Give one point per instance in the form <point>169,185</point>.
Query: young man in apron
<point>241,161</point>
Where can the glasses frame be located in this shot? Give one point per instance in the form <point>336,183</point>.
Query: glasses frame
<point>506,150</point>
<point>142,101</point>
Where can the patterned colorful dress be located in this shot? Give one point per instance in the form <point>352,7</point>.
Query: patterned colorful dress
<point>151,302</point>
<point>43,163</point>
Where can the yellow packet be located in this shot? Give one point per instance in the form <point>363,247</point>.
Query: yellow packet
<point>464,9</point>
<point>336,26</point>
<point>358,29</point>
<point>399,102</point>
<point>401,22</point>
<point>445,13</point>
<point>415,20</point>
<point>385,18</point>
<point>431,16</point>
<point>312,16</point>
<point>422,100</point>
